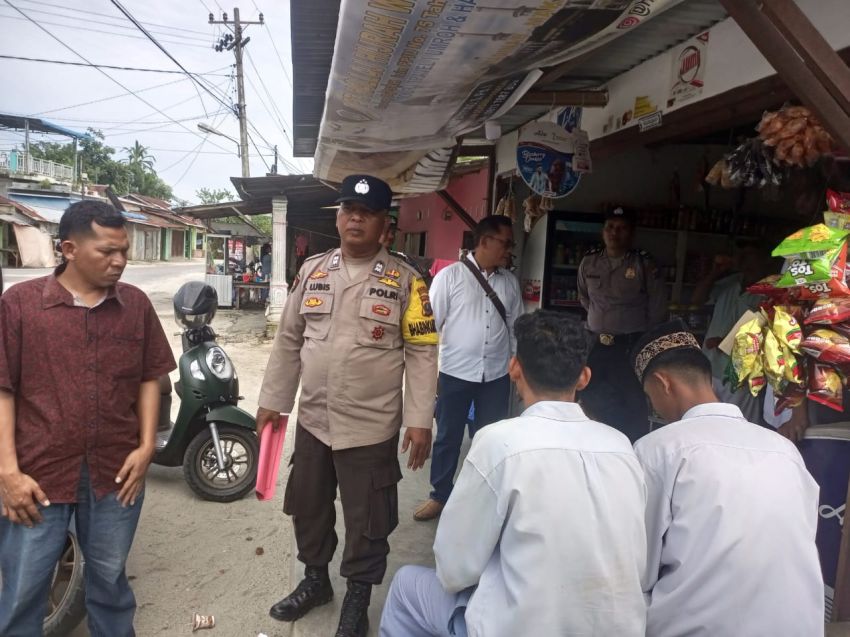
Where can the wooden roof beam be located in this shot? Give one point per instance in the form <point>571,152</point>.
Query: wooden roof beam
<point>587,99</point>
<point>797,50</point>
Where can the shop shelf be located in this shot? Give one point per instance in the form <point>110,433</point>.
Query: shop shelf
<point>563,303</point>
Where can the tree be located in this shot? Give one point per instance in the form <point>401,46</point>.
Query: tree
<point>133,174</point>
<point>137,155</point>
<point>214,195</point>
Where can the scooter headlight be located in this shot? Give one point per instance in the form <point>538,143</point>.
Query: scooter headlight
<point>219,364</point>
<point>196,371</point>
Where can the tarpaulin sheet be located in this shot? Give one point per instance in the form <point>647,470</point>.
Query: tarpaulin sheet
<point>35,247</point>
<point>410,76</point>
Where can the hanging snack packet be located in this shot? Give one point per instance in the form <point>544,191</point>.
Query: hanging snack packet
<point>836,287</point>
<point>787,328</point>
<point>825,387</point>
<point>827,346</point>
<point>767,287</point>
<point>789,397</point>
<point>757,378</point>
<point>829,312</point>
<point>747,352</point>
<point>838,201</point>
<point>811,243</point>
<point>810,271</point>
<point>774,361</point>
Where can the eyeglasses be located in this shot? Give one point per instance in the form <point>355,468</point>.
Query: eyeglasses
<point>507,244</point>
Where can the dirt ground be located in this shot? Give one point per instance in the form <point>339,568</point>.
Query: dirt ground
<point>235,560</point>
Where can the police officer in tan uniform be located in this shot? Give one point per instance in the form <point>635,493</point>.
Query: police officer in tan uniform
<point>624,296</point>
<point>357,328</point>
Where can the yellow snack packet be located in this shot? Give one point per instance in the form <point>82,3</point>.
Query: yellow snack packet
<point>773,360</point>
<point>747,353</point>
<point>787,329</point>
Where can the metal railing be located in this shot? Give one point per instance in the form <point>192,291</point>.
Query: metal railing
<point>16,162</point>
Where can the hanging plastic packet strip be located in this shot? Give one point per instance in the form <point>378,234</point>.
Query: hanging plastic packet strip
<point>827,346</point>
<point>829,312</point>
<point>825,387</point>
<point>811,243</point>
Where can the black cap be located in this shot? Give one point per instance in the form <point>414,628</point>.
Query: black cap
<point>620,213</point>
<point>370,191</point>
<point>672,335</point>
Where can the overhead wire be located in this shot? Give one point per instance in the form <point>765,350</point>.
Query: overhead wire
<point>274,45</point>
<point>97,13</point>
<point>114,24</point>
<point>122,35</point>
<point>101,71</point>
<point>147,33</point>
<point>101,66</point>
<point>276,113</point>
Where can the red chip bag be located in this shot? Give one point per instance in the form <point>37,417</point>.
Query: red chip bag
<point>825,386</point>
<point>838,201</point>
<point>829,312</point>
<point>836,287</point>
<point>767,287</point>
<point>827,346</point>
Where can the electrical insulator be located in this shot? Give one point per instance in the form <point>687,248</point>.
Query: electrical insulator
<point>212,18</point>
<point>224,17</point>
<point>261,18</point>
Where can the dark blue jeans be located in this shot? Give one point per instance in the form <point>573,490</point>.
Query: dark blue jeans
<point>28,557</point>
<point>454,396</point>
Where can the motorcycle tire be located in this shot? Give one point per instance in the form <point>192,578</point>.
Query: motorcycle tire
<point>67,601</point>
<point>200,464</point>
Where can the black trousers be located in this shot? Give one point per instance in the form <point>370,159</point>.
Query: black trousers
<point>367,478</point>
<point>614,395</point>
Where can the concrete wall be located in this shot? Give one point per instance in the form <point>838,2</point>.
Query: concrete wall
<point>426,213</point>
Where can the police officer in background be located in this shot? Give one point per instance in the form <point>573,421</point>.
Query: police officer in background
<point>357,329</point>
<point>624,296</point>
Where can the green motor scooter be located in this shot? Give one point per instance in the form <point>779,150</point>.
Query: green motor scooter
<point>212,438</point>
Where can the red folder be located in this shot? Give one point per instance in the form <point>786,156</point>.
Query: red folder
<point>271,448</point>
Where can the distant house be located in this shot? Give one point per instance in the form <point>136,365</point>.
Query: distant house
<point>26,238</point>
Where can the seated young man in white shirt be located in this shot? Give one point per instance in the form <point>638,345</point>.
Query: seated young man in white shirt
<point>732,511</point>
<point>543,534</point>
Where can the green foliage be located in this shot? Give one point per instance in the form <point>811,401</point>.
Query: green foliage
<point>134,174</point>
<point>214,195</point>
<point>264,223</point>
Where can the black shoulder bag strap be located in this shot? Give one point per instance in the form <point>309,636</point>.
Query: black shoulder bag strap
<point>491,293</point>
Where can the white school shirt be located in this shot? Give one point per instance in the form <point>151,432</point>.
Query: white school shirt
<point>731,519</point>
<point>475,343</point>
<point>546,519</point>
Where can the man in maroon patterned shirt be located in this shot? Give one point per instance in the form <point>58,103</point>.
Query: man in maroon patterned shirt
<point>80,359</point>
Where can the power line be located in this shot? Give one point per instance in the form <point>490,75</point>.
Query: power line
<point>271,99</point>
<point>75,10</point>
<point>111,97</point>
<point>121,35</point>
<point>101,66</point>
<point>141,28</point>
<point>114,24</point>
<point>274,45</point>
<point>101,71</point>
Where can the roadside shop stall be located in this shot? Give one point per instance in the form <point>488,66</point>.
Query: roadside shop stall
<point>713,121</point>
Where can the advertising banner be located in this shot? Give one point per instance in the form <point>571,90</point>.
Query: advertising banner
<point>410,76</point>
<point>551,157</point>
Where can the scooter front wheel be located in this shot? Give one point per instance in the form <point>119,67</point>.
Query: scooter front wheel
<point>241,452</point>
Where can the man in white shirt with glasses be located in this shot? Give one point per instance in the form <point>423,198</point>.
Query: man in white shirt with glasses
<point>475,303</point>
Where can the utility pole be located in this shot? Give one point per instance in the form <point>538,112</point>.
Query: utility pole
<point>235,43</point>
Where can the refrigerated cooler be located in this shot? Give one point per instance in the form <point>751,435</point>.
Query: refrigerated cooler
<point>553,251</point>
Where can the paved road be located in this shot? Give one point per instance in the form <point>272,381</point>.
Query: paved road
<point>141,275</point>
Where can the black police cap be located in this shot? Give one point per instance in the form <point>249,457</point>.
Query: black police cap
<point>367,190</point>
<point>620,213</point>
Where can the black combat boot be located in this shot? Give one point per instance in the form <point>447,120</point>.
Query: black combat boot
<point>314,590</point>
<point>354,618</point>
